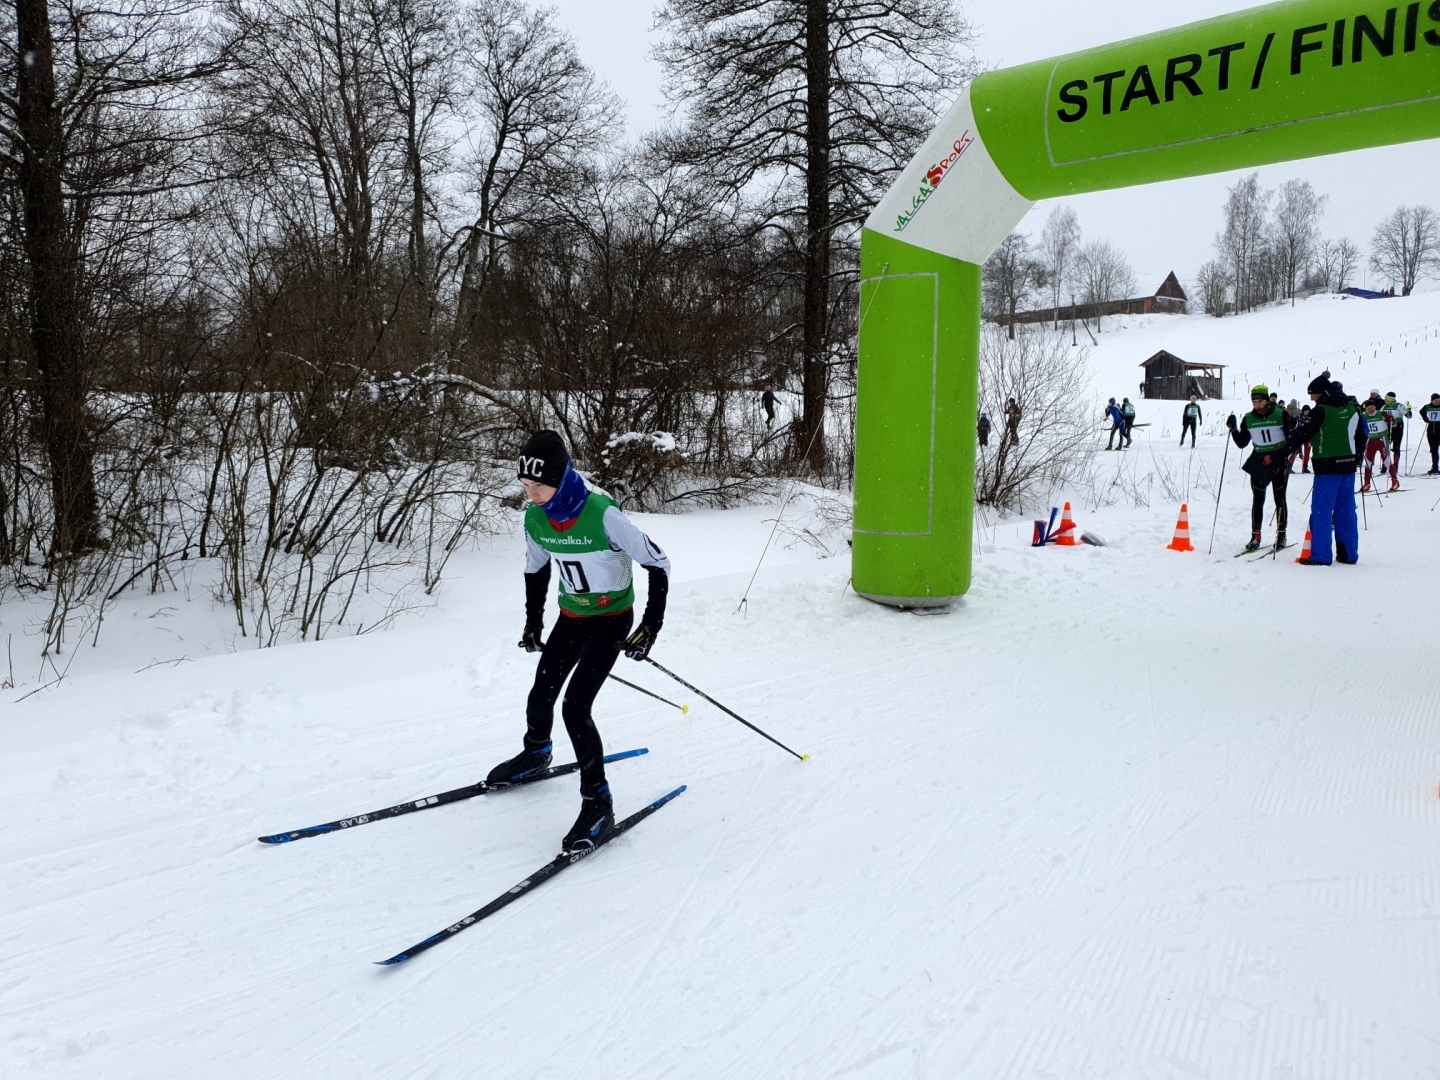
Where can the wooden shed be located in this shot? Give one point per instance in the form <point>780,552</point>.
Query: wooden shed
<point>1168,378</point>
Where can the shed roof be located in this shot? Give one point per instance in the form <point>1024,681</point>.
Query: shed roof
<point>1189,365</point>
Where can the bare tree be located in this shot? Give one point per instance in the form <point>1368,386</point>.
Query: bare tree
<point>1104,276</point>
<point>1213,283</point>
<point>1059,242</point>
<point>1011,274</point>
<point>1242,241</point>
<point>1295,232</point>
<point>1039,368</point>
<point>820,103</point>
<point>1337,261</point>
<point>1406,246</point>
<point>536,114</point>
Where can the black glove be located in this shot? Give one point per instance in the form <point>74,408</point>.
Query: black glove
<point>1230,421</point>
<point>638,645</point>
<point>530,639</point>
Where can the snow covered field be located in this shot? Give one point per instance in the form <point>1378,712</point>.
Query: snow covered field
<point>1123,813</point>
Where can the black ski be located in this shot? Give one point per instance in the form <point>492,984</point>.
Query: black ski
<point>1271,552</point>
<point>544,874</point>
<point>457,795</point>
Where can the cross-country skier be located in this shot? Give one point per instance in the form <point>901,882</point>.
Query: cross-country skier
<point>1127,410</point>
<point>1117,423</point>
<point>1268,426</point>
<point>1431,415</point>
<point>1398,414</point>
<point>1338,440</point>
<point>1190,420</point>
<point>1304,450</point>
<point>593,543</point>
<point>1377,440</point>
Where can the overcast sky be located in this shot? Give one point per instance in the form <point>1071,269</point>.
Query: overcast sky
<point>1160,227</point>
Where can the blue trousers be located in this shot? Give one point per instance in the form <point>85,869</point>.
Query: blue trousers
<point>1332,505</point>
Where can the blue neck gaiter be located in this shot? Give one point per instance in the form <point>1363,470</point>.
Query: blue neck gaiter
<point>569,498</point>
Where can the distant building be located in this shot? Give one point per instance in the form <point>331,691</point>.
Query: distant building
<point>1168,299</point>
<point>1168,378</point>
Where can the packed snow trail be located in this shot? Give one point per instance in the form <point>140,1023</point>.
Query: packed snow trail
<point>1123,813</point>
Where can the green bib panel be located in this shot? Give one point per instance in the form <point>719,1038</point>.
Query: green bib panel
<point>1267,433</point>
<point>1336,437</point>
<point>595,579</point>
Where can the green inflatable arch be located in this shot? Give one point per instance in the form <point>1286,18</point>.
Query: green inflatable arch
<point>1275,83</point>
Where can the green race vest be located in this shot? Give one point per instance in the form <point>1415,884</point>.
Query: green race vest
<point>1375,426</point>
<point>1336,437</point>
<point>1267,433</point>
<point>594,578</point>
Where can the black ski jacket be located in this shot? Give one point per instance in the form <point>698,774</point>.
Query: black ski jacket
<point>1307,429</point>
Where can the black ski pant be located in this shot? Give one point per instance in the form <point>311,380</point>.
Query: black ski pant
<point>588,646</point>
<point>1115,426</point>
<point>1187,425</point>
<point>1432,436</point>
<point>1280,481</point>
<point>1397,439</point>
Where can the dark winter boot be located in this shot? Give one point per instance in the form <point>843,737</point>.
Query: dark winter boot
<point>1254,543</point>
<point>596,820</point>
<point>1280,540</point>
<point>524,764</point>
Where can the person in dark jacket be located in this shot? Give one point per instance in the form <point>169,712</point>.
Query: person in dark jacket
<point>1431,415</point>
<point>982,429</point>
<point>1267,426</point>
<point>1337,438</point>
<point>1190,419</point>
<point>1012,421</point>
<point>1117,423</point>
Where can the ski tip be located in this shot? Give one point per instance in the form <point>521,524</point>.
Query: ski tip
<point>627,754</point>
<point>278,838</point>
<point>400,959</point>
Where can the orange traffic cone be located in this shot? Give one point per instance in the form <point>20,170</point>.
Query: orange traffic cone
<point>1305,548</point>
<point>1181,541</point>
<point>1065,535</point>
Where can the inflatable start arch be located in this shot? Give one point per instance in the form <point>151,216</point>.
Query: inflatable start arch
<point>1275,83</point>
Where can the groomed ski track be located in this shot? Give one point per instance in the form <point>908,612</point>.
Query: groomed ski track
<point>1125,813</point>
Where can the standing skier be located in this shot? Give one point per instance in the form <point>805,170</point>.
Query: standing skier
<point>1268,427</point>
<point>1127,410</point>
<point>1117,423</point>
<point>593,544</point>
<point>1339,441</point>
<point>1431,415</point>
<point>1398,414</point>
<point>1190,420</point>
<point>1377,439</point>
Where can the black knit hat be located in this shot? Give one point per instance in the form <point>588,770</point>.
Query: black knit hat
<point>1320,384</point>
<point>543,458</point>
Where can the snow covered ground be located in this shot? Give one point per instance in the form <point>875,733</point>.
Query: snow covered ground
<point>1122,813</point>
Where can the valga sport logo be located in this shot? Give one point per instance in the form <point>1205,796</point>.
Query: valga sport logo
<point>933,176</point>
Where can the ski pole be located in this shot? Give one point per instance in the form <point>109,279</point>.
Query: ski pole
<point>722,708</point>
<point>650,693</point>
<point>1218,490</point>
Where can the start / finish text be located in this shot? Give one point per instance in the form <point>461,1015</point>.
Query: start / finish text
<point>1241,65</point>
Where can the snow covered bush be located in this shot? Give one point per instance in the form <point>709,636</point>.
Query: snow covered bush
<point>1052,442</point>
<point>642,469</point>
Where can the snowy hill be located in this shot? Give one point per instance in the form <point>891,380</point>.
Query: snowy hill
<point>1123,813</point>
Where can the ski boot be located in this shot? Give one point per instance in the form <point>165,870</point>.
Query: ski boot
<point>597,818</point>
<point>1280,540</point>
<point>522,765</point>
<point>1366,485</point>
<point>1394,483</point>
<point>1254,544</point>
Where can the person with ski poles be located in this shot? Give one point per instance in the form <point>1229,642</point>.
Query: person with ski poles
<point>1117,423</point>
<point>1431,415</point>
<point>1338,438</point>
<point>1398,414</point>
<point>1127,410</point>
<point>594,544</point>
<point>1304,450</point>
<point>1190,420</point>
<point>1377,440</point>
<point>1267,426</point>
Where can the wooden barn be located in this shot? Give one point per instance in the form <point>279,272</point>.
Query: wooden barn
<point>1168,378</point>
